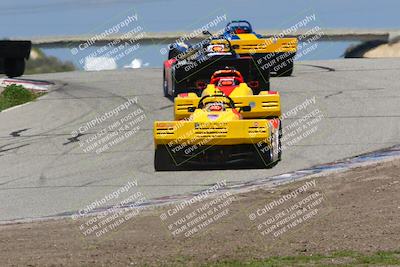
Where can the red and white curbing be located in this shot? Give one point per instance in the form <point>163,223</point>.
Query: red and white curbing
<point>36,86</point>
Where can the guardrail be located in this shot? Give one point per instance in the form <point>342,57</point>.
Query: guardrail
<point>169,37</point>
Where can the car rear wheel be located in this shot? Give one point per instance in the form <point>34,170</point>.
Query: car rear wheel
<point>175,90</point>
<point>284,64</point>
<point>277,145</point>
<point>271,154</point>
<point>165,85</point>
<point>264,158</point>
<point>163,160</point>
<point>287,70</point>
<point>263,81</point>
<point>280,141</point>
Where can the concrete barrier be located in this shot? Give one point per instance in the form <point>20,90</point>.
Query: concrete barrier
<point>169,37</point>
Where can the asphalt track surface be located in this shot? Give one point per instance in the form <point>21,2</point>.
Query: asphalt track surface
<point>44,172</point>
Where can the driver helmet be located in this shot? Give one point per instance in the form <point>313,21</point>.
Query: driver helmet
<point>216,48</point>
<point>240,30</point>
<point>215,106</point>
<point>226,82</point>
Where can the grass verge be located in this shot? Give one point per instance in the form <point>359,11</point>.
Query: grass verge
<point>14,95</point>
<point>340,258</point>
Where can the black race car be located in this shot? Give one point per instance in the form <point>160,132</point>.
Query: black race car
<point>189,68</point>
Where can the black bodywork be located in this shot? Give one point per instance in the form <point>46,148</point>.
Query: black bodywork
<point>13,55</point>
<point>193,73</point>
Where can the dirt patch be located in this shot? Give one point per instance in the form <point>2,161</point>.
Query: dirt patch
<point>359,211</point>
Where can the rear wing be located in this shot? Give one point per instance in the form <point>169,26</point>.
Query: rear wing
<point>184,134</point>
<point>264,105</point>
<point>263,45</point>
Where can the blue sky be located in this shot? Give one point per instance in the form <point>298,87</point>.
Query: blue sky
<point>28,18</point>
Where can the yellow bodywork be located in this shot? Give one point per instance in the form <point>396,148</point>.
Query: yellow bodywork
<point>263,105</point>
<point>218,121</point>
<point>249,43</point>
<point>224,128</point>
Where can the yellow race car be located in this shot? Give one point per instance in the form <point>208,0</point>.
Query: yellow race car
<point>230,82</point>
<point>274,53</point>
<point>216,134</point>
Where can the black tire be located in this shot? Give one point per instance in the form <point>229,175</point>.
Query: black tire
<point>264,159</point>
<point>165,85</point>
<point>276,155</point>
<point>166,88</point>
<point>267,158</point>
<point>285,70</point>
<point>288,70</point>
<point>163,161</point>
<point>14,67</point>
<point>280,141</point>
<point>263,80</point>
<point>175,92</point>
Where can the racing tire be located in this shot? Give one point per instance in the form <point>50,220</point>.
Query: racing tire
<point>14,67</point>
<point>175,92</point>
<point>280,141</point>
<point>264,81</point>
<point>287,70</point>
<point>264,158</point>
<point>163,160</point>
<point>272,154</point>
<point>277,147</point>
<point>165,85</point>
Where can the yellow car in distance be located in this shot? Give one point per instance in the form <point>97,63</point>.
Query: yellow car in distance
<point>274,53</point>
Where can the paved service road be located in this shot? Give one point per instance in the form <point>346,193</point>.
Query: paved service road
<point>44,172</point>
